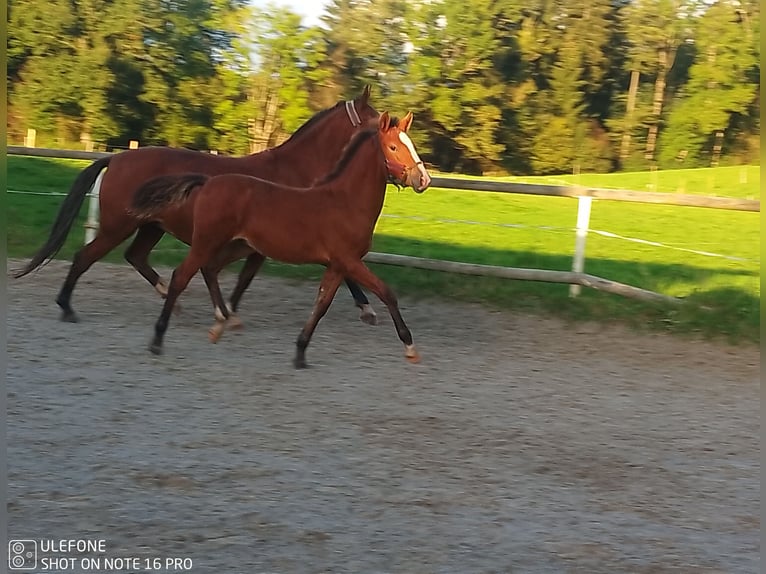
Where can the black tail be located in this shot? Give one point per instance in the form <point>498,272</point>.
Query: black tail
<point>160,192</point>
<point>66,216</point>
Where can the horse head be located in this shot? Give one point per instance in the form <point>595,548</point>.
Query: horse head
<point>402,161</point>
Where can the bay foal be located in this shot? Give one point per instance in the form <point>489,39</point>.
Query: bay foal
<point>330,223</point>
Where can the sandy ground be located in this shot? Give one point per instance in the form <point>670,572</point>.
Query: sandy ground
<point>519,444</point>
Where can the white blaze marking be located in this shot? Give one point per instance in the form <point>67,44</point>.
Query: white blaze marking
<point>408,143</point>
<point>405,139</point>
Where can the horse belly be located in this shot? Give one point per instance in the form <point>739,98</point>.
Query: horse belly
<point>286,245</point>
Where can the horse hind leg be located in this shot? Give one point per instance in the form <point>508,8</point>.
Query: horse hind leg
<point>222,314</point>
<point>178,282</point>
<point>199,257</point>
<point>137,254</point>
<point>225,314</point>
<point>366,312</point>
<point>102,244</point>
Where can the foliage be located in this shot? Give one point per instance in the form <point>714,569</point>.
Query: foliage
<point>718,84</point>
<point>540,86</point>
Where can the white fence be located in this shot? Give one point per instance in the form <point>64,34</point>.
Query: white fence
<point>584,195</point>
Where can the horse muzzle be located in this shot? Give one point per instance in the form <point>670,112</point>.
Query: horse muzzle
<point>415,177</point>
<point>418,178</point>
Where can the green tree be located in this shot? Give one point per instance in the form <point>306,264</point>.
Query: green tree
<point>369,42</point>
<point>108,69</point>
<point>567,75</point>
<point>722,82</point>
<point>655,30</point>
<point>59,56</point>
<point>288,58</point>
<point>453,83</point>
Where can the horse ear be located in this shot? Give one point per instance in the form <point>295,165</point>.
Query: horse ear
<point>405,122</point>
<point>384,121</point>
<point>365,94</point>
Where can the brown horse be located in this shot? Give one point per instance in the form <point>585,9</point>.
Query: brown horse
<point>307,155</point>
<point>330,223</point>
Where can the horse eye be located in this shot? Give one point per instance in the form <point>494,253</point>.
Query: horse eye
<point>392,147</point>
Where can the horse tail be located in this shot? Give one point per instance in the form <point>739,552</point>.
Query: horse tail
<point>66,216</point>
<point>161,192</point>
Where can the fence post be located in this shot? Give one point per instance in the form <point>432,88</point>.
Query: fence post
<point>91,226</point>
<point>583,221</point>
<point>29,141</point>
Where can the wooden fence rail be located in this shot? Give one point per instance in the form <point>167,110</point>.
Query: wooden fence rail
<point>575,278</point>
<point>686,200</point>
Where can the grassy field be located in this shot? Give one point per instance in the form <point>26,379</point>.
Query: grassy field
<point>722,290</point>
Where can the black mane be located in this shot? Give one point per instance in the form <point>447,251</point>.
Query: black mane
<point>311,121</point>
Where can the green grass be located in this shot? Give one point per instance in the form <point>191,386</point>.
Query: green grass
<point>523,231</point>
<point>732,181</point>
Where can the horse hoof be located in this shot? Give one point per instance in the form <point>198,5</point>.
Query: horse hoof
<point>69,317</point>
<point>411,354</point>
<point>155,348</point>
<point>234,323</point>
<point>214,333</point>
<point>369,318</point>
<point>300,364</point>
<point>367,314</point>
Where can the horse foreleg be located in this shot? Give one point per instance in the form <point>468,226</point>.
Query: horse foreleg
<point>327,289</point>
<point>360,273</point>
<point>366,312</point>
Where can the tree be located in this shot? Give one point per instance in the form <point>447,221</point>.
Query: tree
<point>568,76</point>
<point>655,29</point>
<point>722,82</point>
<point>369,42</point>
<point>288,59</point>
<point>454,84</point>
<point>115,68</point>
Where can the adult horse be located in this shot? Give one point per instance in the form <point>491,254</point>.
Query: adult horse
<point>330,223</point>
<point>307,155</point>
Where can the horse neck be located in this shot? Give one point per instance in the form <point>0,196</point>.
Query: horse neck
<point>315,151</point>
<point>362,181</point>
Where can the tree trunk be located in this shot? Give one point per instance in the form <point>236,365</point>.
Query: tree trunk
<point>632,90</point>
<point>262,129</point>
<point>659,98</point>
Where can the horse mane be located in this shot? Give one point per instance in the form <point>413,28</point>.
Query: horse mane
<point>350,151</point>
<point>311,121</point>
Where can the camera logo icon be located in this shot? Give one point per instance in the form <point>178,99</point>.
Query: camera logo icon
<point>22,554</point>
